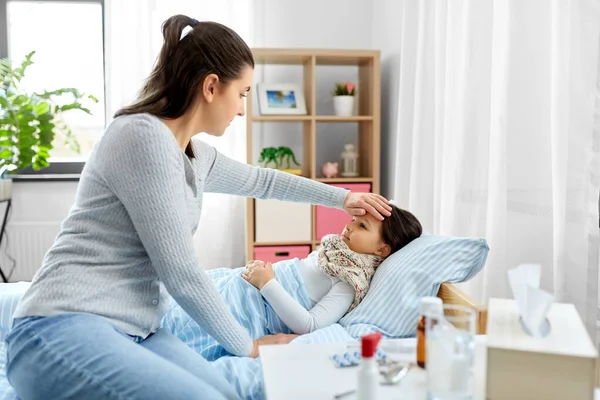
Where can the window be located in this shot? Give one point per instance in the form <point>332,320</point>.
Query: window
<point>67,36</point>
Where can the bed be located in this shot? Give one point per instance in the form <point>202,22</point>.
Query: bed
<point>247,371</point>
<point>428,266</point>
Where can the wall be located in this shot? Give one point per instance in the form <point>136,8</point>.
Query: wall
<point>282,23</point>
<point>37,211</point>
<point>387,34</point>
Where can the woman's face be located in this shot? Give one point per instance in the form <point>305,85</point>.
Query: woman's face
<point>363,235</point>
<point>227,102</point>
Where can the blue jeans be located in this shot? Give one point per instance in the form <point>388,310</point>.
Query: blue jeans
<point>83,356</point>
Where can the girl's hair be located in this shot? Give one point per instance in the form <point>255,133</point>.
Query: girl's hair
<point>400,228</point>
<point>184,63</point>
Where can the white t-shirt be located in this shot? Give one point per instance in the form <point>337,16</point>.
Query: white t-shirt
<point>330,298</point>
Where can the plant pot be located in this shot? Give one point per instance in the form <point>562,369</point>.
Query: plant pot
<point>343,105</point>
<point>293,171</point>
<point>5,189</point>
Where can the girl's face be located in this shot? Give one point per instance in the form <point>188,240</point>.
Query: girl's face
<point>363,235</point>
<point>226,102</point>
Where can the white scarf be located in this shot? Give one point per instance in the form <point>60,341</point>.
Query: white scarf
<point>356,269</point>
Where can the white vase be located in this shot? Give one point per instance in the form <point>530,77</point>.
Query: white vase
<point>343,105</point>
<point>5,189</point>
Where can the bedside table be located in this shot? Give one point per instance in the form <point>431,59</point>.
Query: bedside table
<point>304,371</point>
<point>298,371</point>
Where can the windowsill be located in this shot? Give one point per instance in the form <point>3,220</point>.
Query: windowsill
<point>55,172</point>
<point>46,178</point>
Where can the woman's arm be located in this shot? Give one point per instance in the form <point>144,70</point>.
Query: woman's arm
<point>143,166</point>
<point>233,177</point>
<point>329,310</point>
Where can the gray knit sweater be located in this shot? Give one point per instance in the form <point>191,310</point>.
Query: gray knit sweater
<point>129,235</point>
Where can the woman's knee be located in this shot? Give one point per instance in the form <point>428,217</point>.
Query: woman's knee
<point>65,360</point>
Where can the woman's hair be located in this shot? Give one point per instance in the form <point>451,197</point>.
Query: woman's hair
<point>184,63</point>
<point>400,228</point>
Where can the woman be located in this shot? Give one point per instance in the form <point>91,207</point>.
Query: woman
<point>89,326</point>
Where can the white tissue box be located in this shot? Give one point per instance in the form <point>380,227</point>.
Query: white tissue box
<point>560,365</point>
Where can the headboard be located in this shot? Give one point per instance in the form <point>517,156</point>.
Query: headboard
<point>450,294</point>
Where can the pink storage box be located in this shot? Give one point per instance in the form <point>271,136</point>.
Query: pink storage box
<point>278,253</point>
<point>330,220</point>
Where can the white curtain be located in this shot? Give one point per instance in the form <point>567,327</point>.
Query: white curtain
<point>496,136</point>
<point>133,39</point>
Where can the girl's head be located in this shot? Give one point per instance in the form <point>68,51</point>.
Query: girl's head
<point>368,235</point>
<point>204,76</point>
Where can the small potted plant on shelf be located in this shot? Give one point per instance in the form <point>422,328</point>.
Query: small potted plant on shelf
<point>343,98</point>
<point>277,156</point>
<point>29,122</point>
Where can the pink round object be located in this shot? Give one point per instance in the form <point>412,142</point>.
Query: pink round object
<point>330,169</point>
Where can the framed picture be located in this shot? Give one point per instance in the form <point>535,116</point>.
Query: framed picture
<point>281,99</point>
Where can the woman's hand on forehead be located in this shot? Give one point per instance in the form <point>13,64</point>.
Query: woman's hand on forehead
<point>361,204</point>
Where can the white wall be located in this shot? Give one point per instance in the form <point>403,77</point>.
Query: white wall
<point>281,23</point>
<point>39,206</point>
<point>387,34</point>
<point>344,24</point>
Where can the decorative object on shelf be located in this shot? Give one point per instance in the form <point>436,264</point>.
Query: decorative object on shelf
<point>277,156</point>
<point>349,161</point>
<point>281,99</point>
<point>330,169</point>
<point>29,122</point>
<point>343,99</point>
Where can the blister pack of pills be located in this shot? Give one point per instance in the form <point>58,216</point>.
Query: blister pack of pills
<point>352,358</point>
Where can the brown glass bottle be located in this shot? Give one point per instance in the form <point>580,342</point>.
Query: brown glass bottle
<point>421,324</point>
<point>430,308</point>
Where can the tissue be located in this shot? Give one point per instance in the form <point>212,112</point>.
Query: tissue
<point>532,302</point>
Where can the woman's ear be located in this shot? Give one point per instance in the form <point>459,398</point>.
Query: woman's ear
<point>209,87</point>
<point>384,250</point>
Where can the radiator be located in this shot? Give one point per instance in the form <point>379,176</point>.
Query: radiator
<point>26,243</point>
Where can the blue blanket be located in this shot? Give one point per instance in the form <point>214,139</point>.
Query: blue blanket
<point>253,312</point>
<point>248,306</point>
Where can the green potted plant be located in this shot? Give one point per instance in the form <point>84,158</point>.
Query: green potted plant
<point>277,156</point>
<point>29,122</point>
<point>343,98</point>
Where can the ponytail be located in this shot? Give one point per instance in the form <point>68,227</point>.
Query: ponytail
<point>184,62</point>
<point>172,29</point>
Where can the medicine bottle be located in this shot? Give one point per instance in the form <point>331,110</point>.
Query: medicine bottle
<point>429,307</point>
<point>368,373</point>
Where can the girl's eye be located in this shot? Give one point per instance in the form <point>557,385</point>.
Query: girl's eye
<point>244,95</point>
<point>363,226</point>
